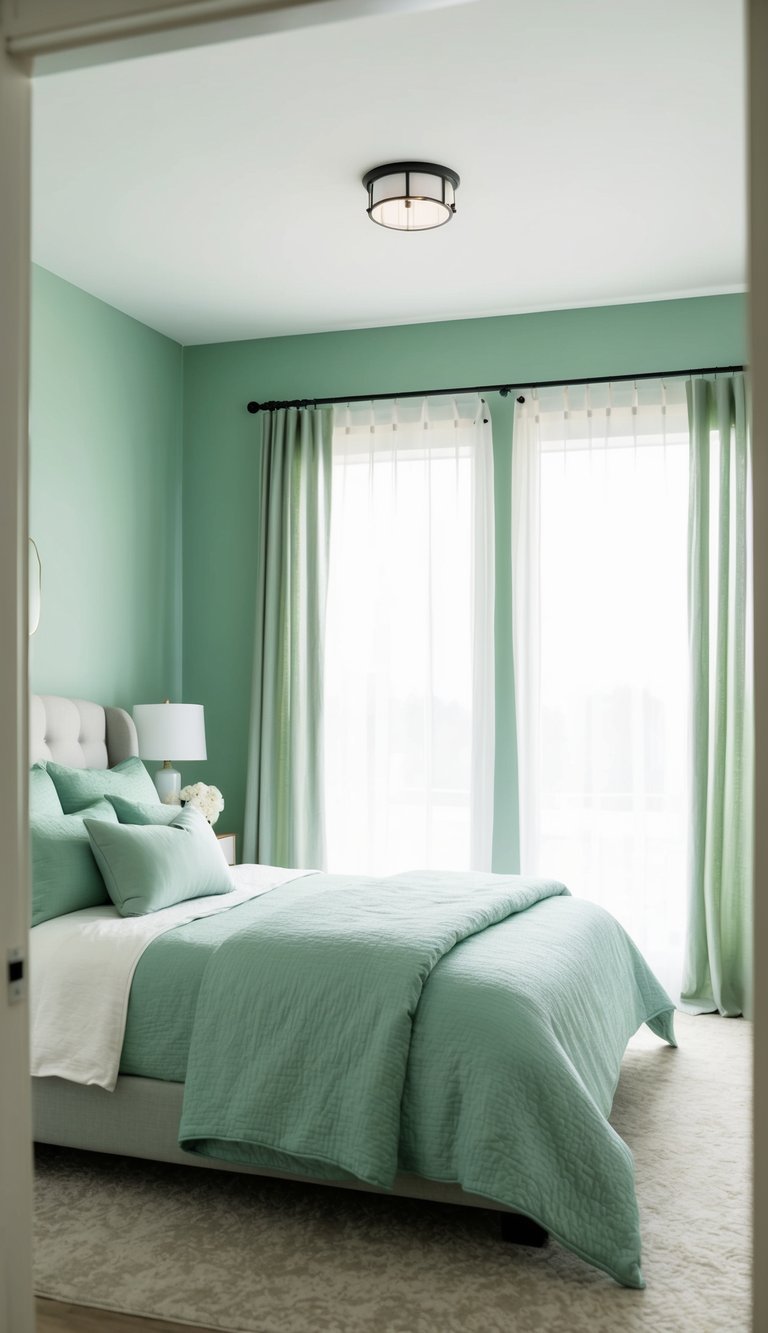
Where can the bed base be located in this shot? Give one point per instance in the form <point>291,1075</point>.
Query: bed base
<point>141,1119</point>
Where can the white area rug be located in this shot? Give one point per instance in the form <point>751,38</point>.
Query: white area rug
<point>237,1253</point>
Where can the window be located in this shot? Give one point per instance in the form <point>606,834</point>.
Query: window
<point>601,492</point>
<point>409,638</point>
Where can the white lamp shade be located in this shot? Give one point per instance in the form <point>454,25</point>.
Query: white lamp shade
<point>170,731</point>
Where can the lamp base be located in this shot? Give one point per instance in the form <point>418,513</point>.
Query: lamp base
<point>168,783</point>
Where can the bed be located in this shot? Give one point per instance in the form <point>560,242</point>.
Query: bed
<point>445,1037</point>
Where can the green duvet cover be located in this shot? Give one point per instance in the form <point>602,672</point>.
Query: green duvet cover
<point>469,1028</point>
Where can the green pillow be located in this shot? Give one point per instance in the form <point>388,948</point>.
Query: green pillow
<point>65,876</point>
<point>79,787</point>
<point>137,812</point>
<point>149,867</point>
<point>43,797</point>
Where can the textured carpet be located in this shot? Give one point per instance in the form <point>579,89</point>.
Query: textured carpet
<point>238,1253</point>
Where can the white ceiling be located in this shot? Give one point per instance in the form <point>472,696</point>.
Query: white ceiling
<point>215,193</point>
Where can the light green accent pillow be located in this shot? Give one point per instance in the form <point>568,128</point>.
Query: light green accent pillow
<point>65,876</point>
<point>149,867</point>
<point>138,812</point>
<point>43,797</point>
<point>79,787</point>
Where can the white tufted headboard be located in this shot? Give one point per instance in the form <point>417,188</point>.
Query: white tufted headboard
<point>79,733</point>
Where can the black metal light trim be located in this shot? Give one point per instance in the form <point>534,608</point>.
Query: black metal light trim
<point>407,169</point>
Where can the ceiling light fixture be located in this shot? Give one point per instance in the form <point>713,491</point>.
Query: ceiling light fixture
<point>411,196</point>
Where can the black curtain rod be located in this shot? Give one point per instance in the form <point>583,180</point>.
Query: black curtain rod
<point>503,389</point>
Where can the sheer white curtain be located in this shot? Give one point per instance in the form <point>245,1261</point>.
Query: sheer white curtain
<point>600,494</point>
<point>409,702</point>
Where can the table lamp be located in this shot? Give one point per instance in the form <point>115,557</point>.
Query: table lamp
<point>175,730</point>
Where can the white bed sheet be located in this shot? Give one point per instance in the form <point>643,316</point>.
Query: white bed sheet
<point>82,966</point>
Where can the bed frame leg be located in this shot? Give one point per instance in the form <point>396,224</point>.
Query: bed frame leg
<point>520,1230</point>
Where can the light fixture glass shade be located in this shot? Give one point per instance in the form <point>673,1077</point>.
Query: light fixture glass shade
<point>170,731</point>
<point>411,196</point>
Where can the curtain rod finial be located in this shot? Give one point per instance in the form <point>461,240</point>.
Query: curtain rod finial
<point>253,407</point>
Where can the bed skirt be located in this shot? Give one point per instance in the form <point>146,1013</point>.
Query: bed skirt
<point>141,1119</point>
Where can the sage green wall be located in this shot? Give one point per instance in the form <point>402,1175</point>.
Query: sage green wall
<point>221,471</point>
<point>111,489</point>
<point>105,499</point>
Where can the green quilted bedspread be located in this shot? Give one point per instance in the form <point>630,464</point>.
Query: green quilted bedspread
<point>469,1028</point>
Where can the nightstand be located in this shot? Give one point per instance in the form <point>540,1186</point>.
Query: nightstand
<point>228,842</point>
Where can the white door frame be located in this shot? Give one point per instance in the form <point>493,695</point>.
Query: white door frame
<point>66,34</point>
<point>62,33</point>
<point>15,1146</point>
<point>758,358</point>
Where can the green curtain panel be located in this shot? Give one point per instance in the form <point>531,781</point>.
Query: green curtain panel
<point>284,817</point>
<point>718,948</point>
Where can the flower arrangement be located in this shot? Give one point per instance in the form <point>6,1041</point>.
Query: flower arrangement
<point>208,800</point>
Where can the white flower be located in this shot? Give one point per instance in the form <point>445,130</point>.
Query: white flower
<point>208,800</point>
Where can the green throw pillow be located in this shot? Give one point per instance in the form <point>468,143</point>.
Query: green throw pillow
<point>43,797</point>
<point>79,787</point>
<point>138,812</point>
<point>149,867</point>
<point>65,876</point>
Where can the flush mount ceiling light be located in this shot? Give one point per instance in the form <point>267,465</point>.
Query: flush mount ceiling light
<point>411,196</point>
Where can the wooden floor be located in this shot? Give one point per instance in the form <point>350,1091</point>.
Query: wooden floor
<point>53,1317</point>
